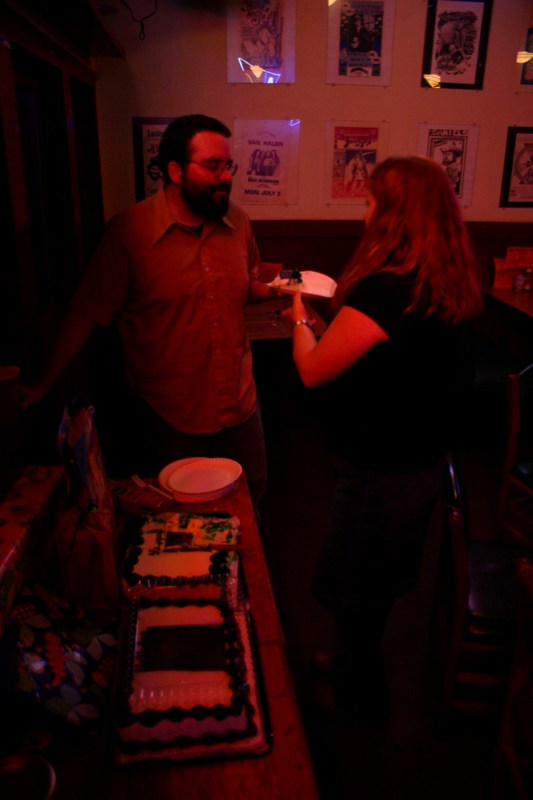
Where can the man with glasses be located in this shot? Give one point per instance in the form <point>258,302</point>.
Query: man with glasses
<point>174,273</point>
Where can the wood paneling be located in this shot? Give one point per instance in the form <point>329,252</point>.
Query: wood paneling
<point>326,245</point>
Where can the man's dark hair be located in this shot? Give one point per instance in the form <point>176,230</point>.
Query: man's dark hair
<point>174,144</point>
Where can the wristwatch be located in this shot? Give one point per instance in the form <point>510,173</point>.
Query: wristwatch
<point>304,322</point>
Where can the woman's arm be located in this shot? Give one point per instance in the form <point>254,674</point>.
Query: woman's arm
<point>348,338</point>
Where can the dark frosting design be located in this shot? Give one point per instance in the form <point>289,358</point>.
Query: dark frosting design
<point>177,648</point>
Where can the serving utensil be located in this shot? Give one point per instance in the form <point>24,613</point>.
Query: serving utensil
<point>138,481</point>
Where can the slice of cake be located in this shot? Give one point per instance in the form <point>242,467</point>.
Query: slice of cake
<point>291,275</point>
<point>187,686</point>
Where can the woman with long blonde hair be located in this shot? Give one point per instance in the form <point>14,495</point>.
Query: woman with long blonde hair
<point>395,361</point>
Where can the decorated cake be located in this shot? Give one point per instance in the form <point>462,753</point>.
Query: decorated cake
<point>188,686</point>
<point>186,682</point>
<point>178,553</point>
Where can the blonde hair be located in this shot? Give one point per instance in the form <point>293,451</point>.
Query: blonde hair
<point>417,228</point>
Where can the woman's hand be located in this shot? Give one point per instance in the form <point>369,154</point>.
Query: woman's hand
<point>298,310</point>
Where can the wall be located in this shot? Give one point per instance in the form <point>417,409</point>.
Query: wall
<point>180,68</point>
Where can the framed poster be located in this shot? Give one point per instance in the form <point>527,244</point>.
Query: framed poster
<point>261,41</point>
<point>147,133</point>
<point>352,151</point>
<point>517,183</point>
<point>267,152</point>
<point>360,42</point>
<point>455,48</point>
<point>454,147</point>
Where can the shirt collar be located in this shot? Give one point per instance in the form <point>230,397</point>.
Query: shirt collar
<point>164,218</point>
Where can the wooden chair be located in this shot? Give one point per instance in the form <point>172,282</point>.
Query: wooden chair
<point>474,613</point>
<point>515,518</point>
<point>514,753</point>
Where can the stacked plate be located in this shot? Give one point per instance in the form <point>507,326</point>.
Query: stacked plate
<point>199,480</point>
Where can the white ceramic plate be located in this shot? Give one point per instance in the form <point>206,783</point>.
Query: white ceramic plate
<point>199,480</point>
<point>314,284</point>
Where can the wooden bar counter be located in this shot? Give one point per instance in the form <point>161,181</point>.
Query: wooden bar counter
<point>85,770</point>
<point>510,320</point>
<point>519,302</point>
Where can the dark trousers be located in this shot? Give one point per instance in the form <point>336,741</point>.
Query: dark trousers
<point>373,550</point>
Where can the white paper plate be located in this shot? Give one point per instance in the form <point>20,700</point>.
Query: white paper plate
<point>314,284</point>
<point>199,480</point>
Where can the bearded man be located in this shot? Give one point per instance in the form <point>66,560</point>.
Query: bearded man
<point>173,273</point>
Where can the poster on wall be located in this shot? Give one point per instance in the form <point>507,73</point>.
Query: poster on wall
<point>455,48</point>
<point>454,147</point>
<point>268,153</point>
<point>517,183</point>
<point>360,42</point>
<point>352,151</point>
<point>261,41</point>
<point>147,133</point>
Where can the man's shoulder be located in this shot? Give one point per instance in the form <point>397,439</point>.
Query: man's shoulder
<point>237,217</point>
<point>138,210</point>
<point>134,218</point>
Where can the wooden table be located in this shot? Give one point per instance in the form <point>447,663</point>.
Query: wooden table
<point>520,302</point>
<point>510,322</point>
<point>285,773</point>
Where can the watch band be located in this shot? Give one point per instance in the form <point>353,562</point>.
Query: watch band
<point>304,322</point>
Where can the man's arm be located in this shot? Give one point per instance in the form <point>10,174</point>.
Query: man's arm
<point>73,333</point>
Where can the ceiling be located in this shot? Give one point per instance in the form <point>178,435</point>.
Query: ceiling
<point>78,23</point>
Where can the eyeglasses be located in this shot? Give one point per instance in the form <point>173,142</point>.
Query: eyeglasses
<point>217,167</point>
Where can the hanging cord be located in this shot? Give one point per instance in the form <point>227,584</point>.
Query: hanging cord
<point>142,34</point>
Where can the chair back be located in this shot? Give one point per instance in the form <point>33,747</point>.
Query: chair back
<point>455,536</point>
<point>515,511</point>
<point>474,611</point>
<point>519,415</point>
<point>526,412</point>
<point>450,605</point>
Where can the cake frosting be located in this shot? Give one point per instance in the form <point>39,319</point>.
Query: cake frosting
<point>173,550</point>
<point>194,530</point>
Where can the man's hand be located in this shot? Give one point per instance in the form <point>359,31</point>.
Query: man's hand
<point>261,291</point>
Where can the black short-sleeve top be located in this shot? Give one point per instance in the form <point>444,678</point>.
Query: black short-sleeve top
<point>395,409</point>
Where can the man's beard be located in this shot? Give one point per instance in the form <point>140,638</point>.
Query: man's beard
<point>212,203</point>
